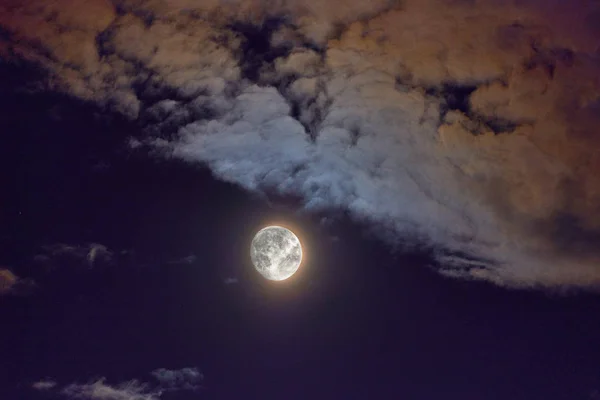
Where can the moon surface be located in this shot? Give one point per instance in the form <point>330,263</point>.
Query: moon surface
<point>276,253</point>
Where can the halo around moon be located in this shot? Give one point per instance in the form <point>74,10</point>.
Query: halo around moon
<point>276,253</point>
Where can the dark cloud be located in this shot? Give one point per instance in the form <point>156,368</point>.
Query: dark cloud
<point>456,123</point>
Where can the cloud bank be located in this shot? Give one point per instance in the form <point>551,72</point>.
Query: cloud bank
<point>466,125</point>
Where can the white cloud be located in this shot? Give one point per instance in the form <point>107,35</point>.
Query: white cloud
<point>100,390</point>
<point>44,385</point>
<point>98,251</point>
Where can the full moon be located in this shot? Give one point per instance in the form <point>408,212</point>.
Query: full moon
<point>276,253</point>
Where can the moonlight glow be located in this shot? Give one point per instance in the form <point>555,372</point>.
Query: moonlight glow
<point>276,253</point>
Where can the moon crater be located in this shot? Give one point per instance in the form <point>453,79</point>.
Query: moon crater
<point>276,253</point>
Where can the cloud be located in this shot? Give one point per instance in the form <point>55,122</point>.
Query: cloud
<point>185,379</point>
<point>8,280</point>
<point>100,390</point>
<point>181,379</point>
<point>185,260</point>
<point>98,251</point>
<point>12,284</point>
<point>44,385</point>
<point>469,127</point>
<point>91,253</point>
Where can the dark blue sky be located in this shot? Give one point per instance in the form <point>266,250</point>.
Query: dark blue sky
<point>356,322</point>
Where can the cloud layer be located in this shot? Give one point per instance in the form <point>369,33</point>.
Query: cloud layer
<point>462,124</point>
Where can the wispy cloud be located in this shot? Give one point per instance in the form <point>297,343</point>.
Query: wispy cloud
<point>185,260</point>
<point>90,254</point>
<point>8,280</point>
<point>185,379</point>
<point>43,385</point>
<point>98,251</point>
<point>12,284</point>
<point>100,390</point>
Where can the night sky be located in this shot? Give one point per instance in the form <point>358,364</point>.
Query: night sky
<point>130,278</point>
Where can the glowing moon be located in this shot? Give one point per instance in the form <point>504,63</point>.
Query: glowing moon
<point>276,253</point>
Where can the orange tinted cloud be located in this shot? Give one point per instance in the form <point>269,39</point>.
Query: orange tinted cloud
<point>469,123</point>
